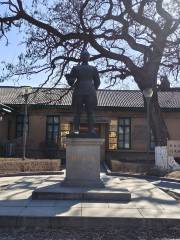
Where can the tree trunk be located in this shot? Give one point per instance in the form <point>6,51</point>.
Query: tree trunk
<point>157,122</point>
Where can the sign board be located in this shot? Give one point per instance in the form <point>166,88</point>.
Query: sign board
<point>161,158</point>
<point>99,119</point>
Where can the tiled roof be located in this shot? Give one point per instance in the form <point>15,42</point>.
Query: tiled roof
<point>106,98</point>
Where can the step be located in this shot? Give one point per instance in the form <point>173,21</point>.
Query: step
<point>58,192</point>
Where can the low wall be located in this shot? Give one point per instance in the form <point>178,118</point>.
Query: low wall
<point>118,166</point>
<point>14,165</point>
<point>129,156</point>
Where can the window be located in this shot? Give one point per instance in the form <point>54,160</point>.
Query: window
<point>119,134</point>
<point>65,129</point>
<point>52,129</point>
<point>113,134</point>
<point>20,125</point>
<point>124,133</point>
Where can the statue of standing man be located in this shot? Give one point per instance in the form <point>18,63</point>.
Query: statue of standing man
<point>85,79</point>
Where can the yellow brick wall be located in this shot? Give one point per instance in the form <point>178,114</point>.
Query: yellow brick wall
<point>3,130</point>
<point>37,126</point>
<point>173,123</point>
<point>37,130</point>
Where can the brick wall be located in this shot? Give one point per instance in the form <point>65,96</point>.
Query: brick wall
<point>36,141</point>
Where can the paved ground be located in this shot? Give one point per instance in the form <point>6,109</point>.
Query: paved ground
<point>148,201</point>
<point>168,185</point>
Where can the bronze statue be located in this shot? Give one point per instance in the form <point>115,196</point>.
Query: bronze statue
<point>85,81</point>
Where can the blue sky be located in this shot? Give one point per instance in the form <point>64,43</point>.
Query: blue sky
<point>9,53</point>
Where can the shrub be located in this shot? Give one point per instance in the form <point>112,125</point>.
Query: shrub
<point>10,165</point>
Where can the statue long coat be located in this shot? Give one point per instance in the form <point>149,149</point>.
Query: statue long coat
<point>86,81</point>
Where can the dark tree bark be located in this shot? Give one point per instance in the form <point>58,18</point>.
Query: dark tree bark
<point>157,123</point>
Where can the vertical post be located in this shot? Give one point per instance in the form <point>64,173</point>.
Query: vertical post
<point>9,129</point>
<point>25,126</point>
<point>148,92</point>
<point>148,128</point>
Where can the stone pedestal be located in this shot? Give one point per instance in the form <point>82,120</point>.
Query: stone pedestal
<point>82,181</point>
<point>83,157</point>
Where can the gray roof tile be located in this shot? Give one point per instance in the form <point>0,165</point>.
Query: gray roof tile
<point>106,98</point>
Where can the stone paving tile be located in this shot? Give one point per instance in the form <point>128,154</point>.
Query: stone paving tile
<point>141,194</point>
<point>128,205</point>
<point>10,211</point>
<point>147,200</point>
<point>143,204</point>
<point>171,185</point>
<point>15,203</point>
<point>156,199</point>
<point>56,178</point>
<point>155,203</point>
<point>110,212</point>
<point>171,214</point>
<point>65,211</point>
<point>3,184</point>
<point>15,195</point>
<point>68,203</point>
<point>175,207</point>
<point>50,211</point>
<point>39,203</point>
<point>150,188</point>
<point>46,184</point>
<point>114,181</point>
<point>157,213</point>
<point>7,179</point>
<point>94,205</point>
<point>37,211</point>
<point>160,194</point>
<point>153,213</point>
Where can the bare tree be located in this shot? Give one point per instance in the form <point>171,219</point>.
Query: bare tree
<point>137,38</point>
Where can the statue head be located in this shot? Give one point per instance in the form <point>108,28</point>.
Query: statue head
<point>84,57</point>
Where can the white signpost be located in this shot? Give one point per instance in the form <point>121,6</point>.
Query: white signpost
<point>164,155</point>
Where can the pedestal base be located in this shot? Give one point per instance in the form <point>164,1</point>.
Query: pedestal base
<point>58,192</point>
<point>83,183</point>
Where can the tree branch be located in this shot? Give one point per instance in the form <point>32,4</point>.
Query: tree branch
<point>140,18</point>
<point>105,53</point>
<point>162,12</point>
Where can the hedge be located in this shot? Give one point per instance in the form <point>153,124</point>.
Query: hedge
<point>14,165</point>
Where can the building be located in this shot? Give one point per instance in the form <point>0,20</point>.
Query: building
<point>120,117</point>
